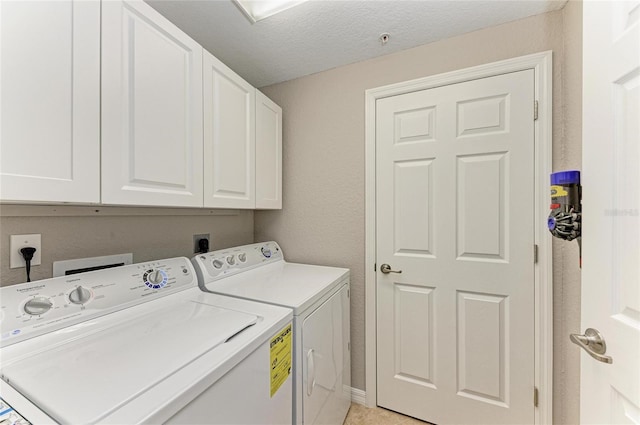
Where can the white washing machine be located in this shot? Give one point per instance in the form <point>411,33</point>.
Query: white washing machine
<point>141,344</point>
<point>319,297</point>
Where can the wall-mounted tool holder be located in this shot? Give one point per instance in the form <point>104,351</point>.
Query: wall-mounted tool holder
<point>565,218</point>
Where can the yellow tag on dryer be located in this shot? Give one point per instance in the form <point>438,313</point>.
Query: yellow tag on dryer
<point>280,358</point>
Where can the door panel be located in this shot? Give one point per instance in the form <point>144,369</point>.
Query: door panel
<point>151,109</point>
<point>268,153</point>
<point>413,345</point>
<point>610,393</point>
<point>455,168</point>
<point>483,347</point>
<point>482,223</point>
<point>326,364</point>
<point>413,210</point>
<point>50,121</point>
<point>229,137</point>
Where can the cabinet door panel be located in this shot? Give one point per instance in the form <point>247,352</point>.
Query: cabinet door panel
<point>50,85</point>
<point>268,153</point>
<point>151,109</point>
<point>229,137</point>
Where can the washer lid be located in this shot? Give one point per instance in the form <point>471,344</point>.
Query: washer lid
<point>292,285</point>
<point>83,380</point>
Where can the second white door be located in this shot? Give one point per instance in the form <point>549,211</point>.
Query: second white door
<point>455,204</point>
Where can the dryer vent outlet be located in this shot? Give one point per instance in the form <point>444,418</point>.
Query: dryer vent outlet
<point>201,243</point>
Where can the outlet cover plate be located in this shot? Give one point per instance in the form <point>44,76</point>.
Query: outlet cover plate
<point>20,241</point>
<point>196,238</point>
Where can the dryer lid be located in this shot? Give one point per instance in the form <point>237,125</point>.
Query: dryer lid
<point>292,285</point>
<point>85,379</point>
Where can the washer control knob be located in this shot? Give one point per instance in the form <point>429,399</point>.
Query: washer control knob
<point>231,260</point>
<point>266,251</point>
<point>155,277</point>
<point>242,257</point>
<point>218,264</point>
<point>80,295</point>
<point>37,306</point>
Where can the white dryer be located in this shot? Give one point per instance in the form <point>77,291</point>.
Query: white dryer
<point>141,344</point>
<point>319,297</point>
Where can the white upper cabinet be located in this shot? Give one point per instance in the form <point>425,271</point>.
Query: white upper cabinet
<point>268,153</point>
<point>104,102</point>
<point>229,137</point>
<point>50,107</point>
<point>151,109</point>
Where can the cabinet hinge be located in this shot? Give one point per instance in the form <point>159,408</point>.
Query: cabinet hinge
<point>535,111</point>
<point>375,267</point>
<point>535,396</point>
<point>535,254</point>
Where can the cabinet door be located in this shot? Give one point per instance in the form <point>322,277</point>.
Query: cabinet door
<point>268,153</point>
<point>151,109</point>
<point>50,107</point>
<point>229,137</point>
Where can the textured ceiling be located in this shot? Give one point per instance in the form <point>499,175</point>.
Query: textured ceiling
<point>323,34</point>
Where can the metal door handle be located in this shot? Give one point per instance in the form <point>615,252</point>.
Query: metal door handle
<point>593,343</point>
<point>386,269</point>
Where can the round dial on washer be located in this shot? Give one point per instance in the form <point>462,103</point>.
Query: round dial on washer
<point>79,295</point>
<point>242,257</point>
<point>155,279</point>
<point>217,264</point>
<point>231,260</point>
<point>266,251</point>
<point>37,306</point>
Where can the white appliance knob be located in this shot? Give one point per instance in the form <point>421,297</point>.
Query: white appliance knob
<point>80,295</point>
<point>266,251</point>
<point>231,260</point>
<point>217,264</point>
<point>242,257</point>
<point>37,306</point>
<point>155,277</point>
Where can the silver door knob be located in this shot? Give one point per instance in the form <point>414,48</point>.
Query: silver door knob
<point>386,269</point>
<point>593,343</point>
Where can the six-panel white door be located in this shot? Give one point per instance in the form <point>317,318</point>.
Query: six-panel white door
<point>151,109</point>
<point>455,211</point>
<point>610,393</point>
<point>50,84</point>
<point>268,153</point>
<point>229,137</point>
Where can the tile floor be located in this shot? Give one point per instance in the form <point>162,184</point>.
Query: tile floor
<point>361,415</point>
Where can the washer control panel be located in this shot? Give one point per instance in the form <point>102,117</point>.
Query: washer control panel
<point>34,308</point>
<point>9,416</point>
<point>225,262</point>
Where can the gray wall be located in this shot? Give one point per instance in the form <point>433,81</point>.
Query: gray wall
<point>149,233</point>
<point>567,154</point>
<point>322,220</point>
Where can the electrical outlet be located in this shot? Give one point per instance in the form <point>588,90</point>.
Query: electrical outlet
<point>20,241</point>
<point>196,238</point>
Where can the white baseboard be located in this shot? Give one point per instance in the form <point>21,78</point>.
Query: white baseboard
<point>358,396</point>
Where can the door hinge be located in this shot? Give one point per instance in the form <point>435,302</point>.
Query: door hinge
<point>535,254</point>
<point>535,111</point>
<point>535,396</point>
<point>375,267</point>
